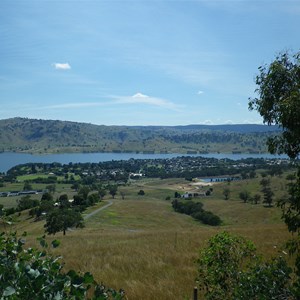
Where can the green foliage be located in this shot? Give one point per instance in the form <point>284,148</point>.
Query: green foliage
<point>113,190</point>
<point>267,192</point>
<point>33,274</point>
<point>83,192</point>
<point>51,188</point>
<point>141,192</point>
<point>228,268</point>
<point>27,186</point>
<point>278,101</point>
<point>290,205</point>
<point>265,281</point>
<point>245,196</point>
<point>195,209</point>
<point>26,202</point>
<point>60,219</point>
<point>226,193</point>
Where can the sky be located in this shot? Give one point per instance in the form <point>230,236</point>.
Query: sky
<point>139,62</point>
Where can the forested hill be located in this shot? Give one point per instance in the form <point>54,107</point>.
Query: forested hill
<point>40,136</point>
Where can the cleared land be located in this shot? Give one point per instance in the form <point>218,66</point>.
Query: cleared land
<point>141,245</point>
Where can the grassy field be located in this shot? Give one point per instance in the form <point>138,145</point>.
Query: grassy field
<point>141,245</point>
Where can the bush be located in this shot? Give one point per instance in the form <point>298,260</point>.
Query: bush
<point>228,268</point>
<point>141,193</point>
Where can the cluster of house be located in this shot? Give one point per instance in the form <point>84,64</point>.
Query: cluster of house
<point>188,195</point>
<point>21,193</point>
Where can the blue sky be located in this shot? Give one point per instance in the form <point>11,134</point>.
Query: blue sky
<point>139,62</point>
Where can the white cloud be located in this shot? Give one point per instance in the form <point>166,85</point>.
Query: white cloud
<point>140,95</point>
<point>208,122</point>
<point>229,122</point>
<point>140,98</point>
<point>200,92</point>
<point>61,66</point>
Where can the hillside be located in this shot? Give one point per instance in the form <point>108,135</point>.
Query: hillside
<point>49,136</point>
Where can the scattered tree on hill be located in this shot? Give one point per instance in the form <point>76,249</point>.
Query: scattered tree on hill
<point>226,193</point>
<point>27,186</point>
<point>141,192</point>
<point>256,198</point>
<point>60,219</point>
<point>92,199</point>
<point>267,192</point>
<point>63,201</point>
<point>101,192</point>
<point>47,197</point>
<point>26,202</point>
<point>51,188</point>
<point>84,191</point>
<point>245,196</point>
<point>122,193</point>
<point>113,190</point>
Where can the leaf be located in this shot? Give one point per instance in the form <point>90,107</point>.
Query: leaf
<point>34,273</point>
<point>88,278</point>
<point>9,291</point>
<point>58,296</point>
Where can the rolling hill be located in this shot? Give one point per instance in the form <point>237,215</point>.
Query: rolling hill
<point>51,136</point>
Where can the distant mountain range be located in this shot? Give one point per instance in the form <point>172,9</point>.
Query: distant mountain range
<point>52,136</point>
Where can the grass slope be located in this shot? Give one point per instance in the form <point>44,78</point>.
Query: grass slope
<point>141,245</point>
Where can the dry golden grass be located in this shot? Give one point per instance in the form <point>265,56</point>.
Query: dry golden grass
<point>141,245</point>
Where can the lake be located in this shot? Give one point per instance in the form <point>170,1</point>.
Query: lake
<point>11,159</point>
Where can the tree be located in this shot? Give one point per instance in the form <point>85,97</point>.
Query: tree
<point>101,192</point>
<point>60,219</point>
<point>84,191</point>
<point>51,188</point>
<point>26,202</point>
<point>245,196</point>
<point>177,195</point>
<point>113,190</point>
<point>27,186</point>
<point>256,198</point>
<point>64,201</point>
<point>141,192</point>
<point>267,192</point>
<point>47,197</point>
<point>268,195</point>
<point>122,193</point>
<point>226,193</point>
<point>45,207</point>
<point>278,101</point>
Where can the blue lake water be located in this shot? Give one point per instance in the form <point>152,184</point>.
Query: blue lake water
<point>11,159</point>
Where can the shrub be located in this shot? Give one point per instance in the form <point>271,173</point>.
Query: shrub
<point>141,193</point>
<point>228,268</point>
